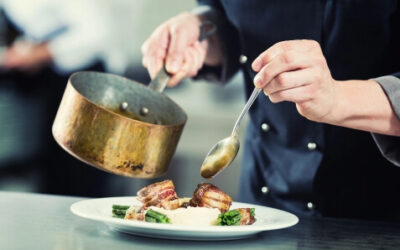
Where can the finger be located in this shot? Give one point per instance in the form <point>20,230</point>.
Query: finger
<point>184,70</point>
<point>286,61</point>
<point>175,79</point>
<point>154,51</point>
<point>153,62</point>
<point>198,54</point>
<point>150,66</point>
<point>158,39</point>
<point>178,44</point>
<point>192,68</point>
<point>193,61</point>
<point>154,67</point>
<point>297,94</point>
<point>202,47</point>
<point>145,62</point>
<point>280,47</point>
<point>288,80</point>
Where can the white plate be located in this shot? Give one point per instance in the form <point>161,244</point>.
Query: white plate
<point>101,210</point>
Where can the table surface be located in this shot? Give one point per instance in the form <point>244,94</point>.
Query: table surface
<point>35,221</point>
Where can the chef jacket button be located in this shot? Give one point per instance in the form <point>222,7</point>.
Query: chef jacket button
<point>264,127</point>
<point>311,146</point>
<point>264,190</point>
<point>310,206</point>
<point>242,59</point>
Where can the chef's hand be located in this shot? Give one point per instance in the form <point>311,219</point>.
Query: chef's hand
<point>25,56</point>
<point>297,71</point>
<point>175,43</point>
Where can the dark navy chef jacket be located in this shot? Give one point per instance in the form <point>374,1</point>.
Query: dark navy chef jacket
<point>290,162</point>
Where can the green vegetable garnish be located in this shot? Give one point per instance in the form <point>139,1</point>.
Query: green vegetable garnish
<point>229,218</point>
<point>253,212</point>
<point>232,217</point>
<point>120,207</point>
<point>156,217</point>
<point>119,211</point>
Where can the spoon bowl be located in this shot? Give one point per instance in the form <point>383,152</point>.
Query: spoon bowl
<point>225,151</point>
<point>220,156</point>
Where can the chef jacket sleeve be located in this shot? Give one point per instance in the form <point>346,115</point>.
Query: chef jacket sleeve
<point>390,145</point>
<point>229,40</point>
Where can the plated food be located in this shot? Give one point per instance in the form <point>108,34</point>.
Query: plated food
<point>208,206</point>
<point>99,210</point>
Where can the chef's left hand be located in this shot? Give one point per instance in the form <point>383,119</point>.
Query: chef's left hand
<point>297,71</point>
<point>26,57</point>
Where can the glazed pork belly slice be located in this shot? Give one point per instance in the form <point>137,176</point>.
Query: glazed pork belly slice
<point>208,195</point>
<point>159,194</point>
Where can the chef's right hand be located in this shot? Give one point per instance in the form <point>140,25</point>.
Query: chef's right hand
<point>175,43</point>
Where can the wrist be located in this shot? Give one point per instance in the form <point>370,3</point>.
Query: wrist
<point>352,102</point>
<point>338,112</point>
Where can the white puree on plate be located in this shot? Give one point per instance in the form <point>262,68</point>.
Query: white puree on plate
<point>192,216</point>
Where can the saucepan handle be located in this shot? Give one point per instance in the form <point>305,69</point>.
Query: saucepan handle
<point>159,82</point>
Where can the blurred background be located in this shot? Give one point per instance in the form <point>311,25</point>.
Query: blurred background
<point>43,41</point>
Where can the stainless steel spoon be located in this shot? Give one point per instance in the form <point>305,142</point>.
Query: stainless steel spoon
<point>225,151</point>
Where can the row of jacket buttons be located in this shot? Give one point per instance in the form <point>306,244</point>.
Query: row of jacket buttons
<point>311,145</point>
<point>309,205</point>
<point>265,128</point>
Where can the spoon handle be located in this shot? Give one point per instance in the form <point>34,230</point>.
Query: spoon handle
<point>246,108</point>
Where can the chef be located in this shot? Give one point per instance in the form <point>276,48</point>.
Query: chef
<point>67,35</point>
<point>320,64</point>
<point>54,39</point>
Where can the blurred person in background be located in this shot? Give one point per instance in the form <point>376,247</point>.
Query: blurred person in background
<point>291,159</point>
<point>43,41</point>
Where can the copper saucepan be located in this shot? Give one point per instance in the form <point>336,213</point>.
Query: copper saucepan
<point>119,125</point>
